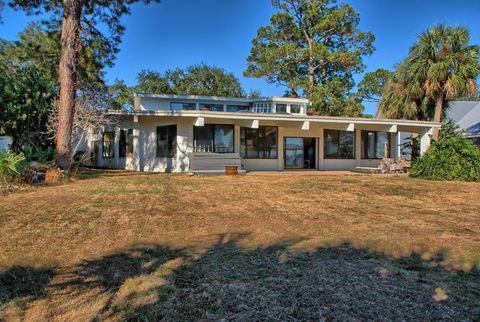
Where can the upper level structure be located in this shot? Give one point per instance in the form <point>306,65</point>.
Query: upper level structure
<point>263,105</point>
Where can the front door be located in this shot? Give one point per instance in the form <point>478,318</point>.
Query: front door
<point>299,153</point>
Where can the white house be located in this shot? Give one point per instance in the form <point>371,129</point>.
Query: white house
<point>198,133</point>
<point>467,115</point>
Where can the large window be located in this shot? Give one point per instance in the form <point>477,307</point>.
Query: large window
<point>338,144</point>
<point>281,108</point>
<point>213,138</point>
<point>108,145</point>
<point>211,107</point>
<point>296,109</point>
<point>126,143</point>
<point>238,108</point>
<point>176,106</point>
<point>259,143</point>
<point>375,145</point>
<point>167,141</point>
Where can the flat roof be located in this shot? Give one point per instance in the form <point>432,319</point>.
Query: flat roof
<point>277,117</point>
<point>223,99</point>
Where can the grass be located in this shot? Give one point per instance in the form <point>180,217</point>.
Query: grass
<point>114,245</point>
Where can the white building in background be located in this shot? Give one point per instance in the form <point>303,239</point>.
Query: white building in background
<point>5,142</point>
<point>200,133</point>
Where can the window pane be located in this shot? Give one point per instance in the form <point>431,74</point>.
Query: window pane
<point>175,106</point>
<point>281,108</point>
<point>331,144</point>
<point>346,145</point>
<point>130,143</point>
<point>295,109</point>
<point>238,108</point>
<point>162,141</point>
<point>211,107</point>
<point>224,138</point>
<point>108,145</point>
<point>122,144</point>
<point>172,141</point>
<point>381,145</point>
<point>269,142</point>
<point>203,138</point>
<point>251,143</point>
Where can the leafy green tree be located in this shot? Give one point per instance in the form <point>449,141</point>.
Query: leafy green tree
<point>441,66</point>
<point>206,80</point>
<point>149,81</point>
<point>313,47</point>
<point>78,18</point>
<point>26,97</point>
<point>373,84</point>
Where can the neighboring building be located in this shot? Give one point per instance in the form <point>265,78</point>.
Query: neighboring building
<point>195,133</point>
<point>467,115</point>
<point>5,142</point>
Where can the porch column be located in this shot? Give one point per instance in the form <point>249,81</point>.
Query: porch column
<point>358,147</point>
<point>321,144</point>
<point>136,145</point>
<point>117,146</point>
<point>425,140</point>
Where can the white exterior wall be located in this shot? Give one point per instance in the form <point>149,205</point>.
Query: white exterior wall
<point>145,134</point>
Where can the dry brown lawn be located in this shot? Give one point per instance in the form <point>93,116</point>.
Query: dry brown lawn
<point>115,245</point>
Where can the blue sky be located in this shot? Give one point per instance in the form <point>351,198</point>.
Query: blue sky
<point>179,33</point>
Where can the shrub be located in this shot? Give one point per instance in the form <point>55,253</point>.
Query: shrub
<point>10,165</point>
<point>451,158</point>
<point>39,155</point>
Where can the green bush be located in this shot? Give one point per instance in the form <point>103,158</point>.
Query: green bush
<point>39,155</point>
<point>452,158</point>
<point>10,165</point>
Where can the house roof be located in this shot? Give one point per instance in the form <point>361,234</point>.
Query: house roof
<point>467,115</point>
<point>270,117</point>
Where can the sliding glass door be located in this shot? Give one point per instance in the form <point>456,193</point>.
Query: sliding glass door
<point>299,153</point>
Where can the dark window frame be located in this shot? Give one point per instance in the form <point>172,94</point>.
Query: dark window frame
<point>168,155</point>
<point>125,144</point>
<point>242,131</point>
<point>338,145</point>
<point>362,145</point>
<point>210,104</point>
<point>112,156</point>
<point>213,136</point>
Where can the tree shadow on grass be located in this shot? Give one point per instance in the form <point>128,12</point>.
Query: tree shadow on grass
<point>230,282</point>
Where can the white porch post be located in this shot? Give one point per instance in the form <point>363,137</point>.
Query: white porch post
<point>136,145</point>
<point>321,144</point>
<point>358,147</point>
<point>425,140</point>
<point>117,146</point>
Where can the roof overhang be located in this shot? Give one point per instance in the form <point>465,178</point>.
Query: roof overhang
<point>341,122</point>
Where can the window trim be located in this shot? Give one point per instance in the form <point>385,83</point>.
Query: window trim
<point>168,156</point>
<point>213,125</point>
<point>338,145</point>
<point>103,145</point>
<point>376,157</point>
<point>258,140</point>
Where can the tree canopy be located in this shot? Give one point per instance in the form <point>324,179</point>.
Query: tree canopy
<point>441,66</point>
<point>199,79</point>
<point>313,47</point>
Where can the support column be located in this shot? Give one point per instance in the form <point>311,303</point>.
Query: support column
<point>117,146</point>
<point>321,144</point>
<point>136,145</point>
<point>425,140</point>
<point>358,147</point>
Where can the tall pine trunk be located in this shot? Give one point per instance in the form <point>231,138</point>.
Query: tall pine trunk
<point>68,76</point>
<point>438,114</point>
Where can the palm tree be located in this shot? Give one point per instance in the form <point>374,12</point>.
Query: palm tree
<point>441,66</point>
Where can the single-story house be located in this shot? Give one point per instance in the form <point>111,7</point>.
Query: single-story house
<point>467,115</point>
<point>202,133</point>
